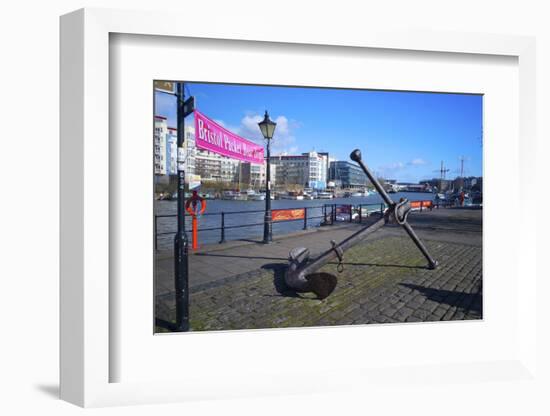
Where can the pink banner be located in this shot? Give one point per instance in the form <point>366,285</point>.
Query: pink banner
<point>213,137</point>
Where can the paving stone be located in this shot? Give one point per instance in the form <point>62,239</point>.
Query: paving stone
<point>379,284</point>
<point>403,313</point>
<point>422,314</point>
<point>413,318</point>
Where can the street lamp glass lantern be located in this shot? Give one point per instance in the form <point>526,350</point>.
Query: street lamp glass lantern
<point>267,127</point>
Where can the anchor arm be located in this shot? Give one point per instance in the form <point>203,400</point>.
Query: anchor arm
<point>432,263</point>
<point>356,157</point>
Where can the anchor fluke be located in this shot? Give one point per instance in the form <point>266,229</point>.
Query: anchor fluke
<point>322,284</point>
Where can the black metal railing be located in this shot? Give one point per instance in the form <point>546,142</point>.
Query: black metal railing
<point>330,214</point>
<point>223,227</point>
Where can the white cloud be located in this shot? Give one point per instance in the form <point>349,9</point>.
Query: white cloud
<point>283,140</point>
<point>293,149</point>
<point>403,171</point>
<point>249,128</point>
<point>390,170</point>
<point>417,162</point>
<point>392,166</point>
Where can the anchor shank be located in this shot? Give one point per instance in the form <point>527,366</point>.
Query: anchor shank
<point>344,245</point>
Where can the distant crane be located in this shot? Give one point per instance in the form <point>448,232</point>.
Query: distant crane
<point>462,159</point>
<point>462,171</point>
<point>442,172</point>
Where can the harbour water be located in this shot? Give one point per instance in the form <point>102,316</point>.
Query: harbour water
<point>237,214</point>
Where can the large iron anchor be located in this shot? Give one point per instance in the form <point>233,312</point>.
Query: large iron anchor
<point>302,274</point>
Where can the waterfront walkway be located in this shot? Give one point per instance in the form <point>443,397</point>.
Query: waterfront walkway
<point>240,284</point>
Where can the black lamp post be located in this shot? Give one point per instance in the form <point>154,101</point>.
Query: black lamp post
<point>267,127</point>
<point>181,249</point>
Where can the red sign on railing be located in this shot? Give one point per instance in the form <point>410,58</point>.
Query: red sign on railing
<point>287,214</point>
<point>423,204</point>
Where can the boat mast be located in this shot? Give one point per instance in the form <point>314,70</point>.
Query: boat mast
<point>442,172</point>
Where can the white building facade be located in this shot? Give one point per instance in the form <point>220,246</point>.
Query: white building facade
<point>161,130</point>
<point>308,169</point>
<point>190,150</point>
<point>172,151</point>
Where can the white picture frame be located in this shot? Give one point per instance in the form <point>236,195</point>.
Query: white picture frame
<point>86,290</point>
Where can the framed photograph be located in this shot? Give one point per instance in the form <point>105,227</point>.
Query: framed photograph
<point>298,237</point>
<point>229,228</point>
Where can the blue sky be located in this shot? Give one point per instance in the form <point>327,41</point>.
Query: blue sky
<point>402,135</point>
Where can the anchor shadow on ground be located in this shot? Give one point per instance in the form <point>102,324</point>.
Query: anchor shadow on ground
<point>467,301</point>
<point>404,266</point>
<point>233,256</point>
<point>279,270</point>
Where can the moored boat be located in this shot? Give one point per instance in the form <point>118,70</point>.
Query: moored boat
<point>324,195</point>
<point>233,196</point>
<point>292,195</point>
<point>256,196</point>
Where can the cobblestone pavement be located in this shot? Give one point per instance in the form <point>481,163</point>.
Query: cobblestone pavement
<point>219,261</point>
<point>385,280</point>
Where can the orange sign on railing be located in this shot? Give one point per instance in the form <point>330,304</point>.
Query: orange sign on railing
<point>418,204</point>
<point>287,214</point>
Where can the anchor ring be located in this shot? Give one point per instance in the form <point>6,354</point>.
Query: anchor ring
<point>340,254</point>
